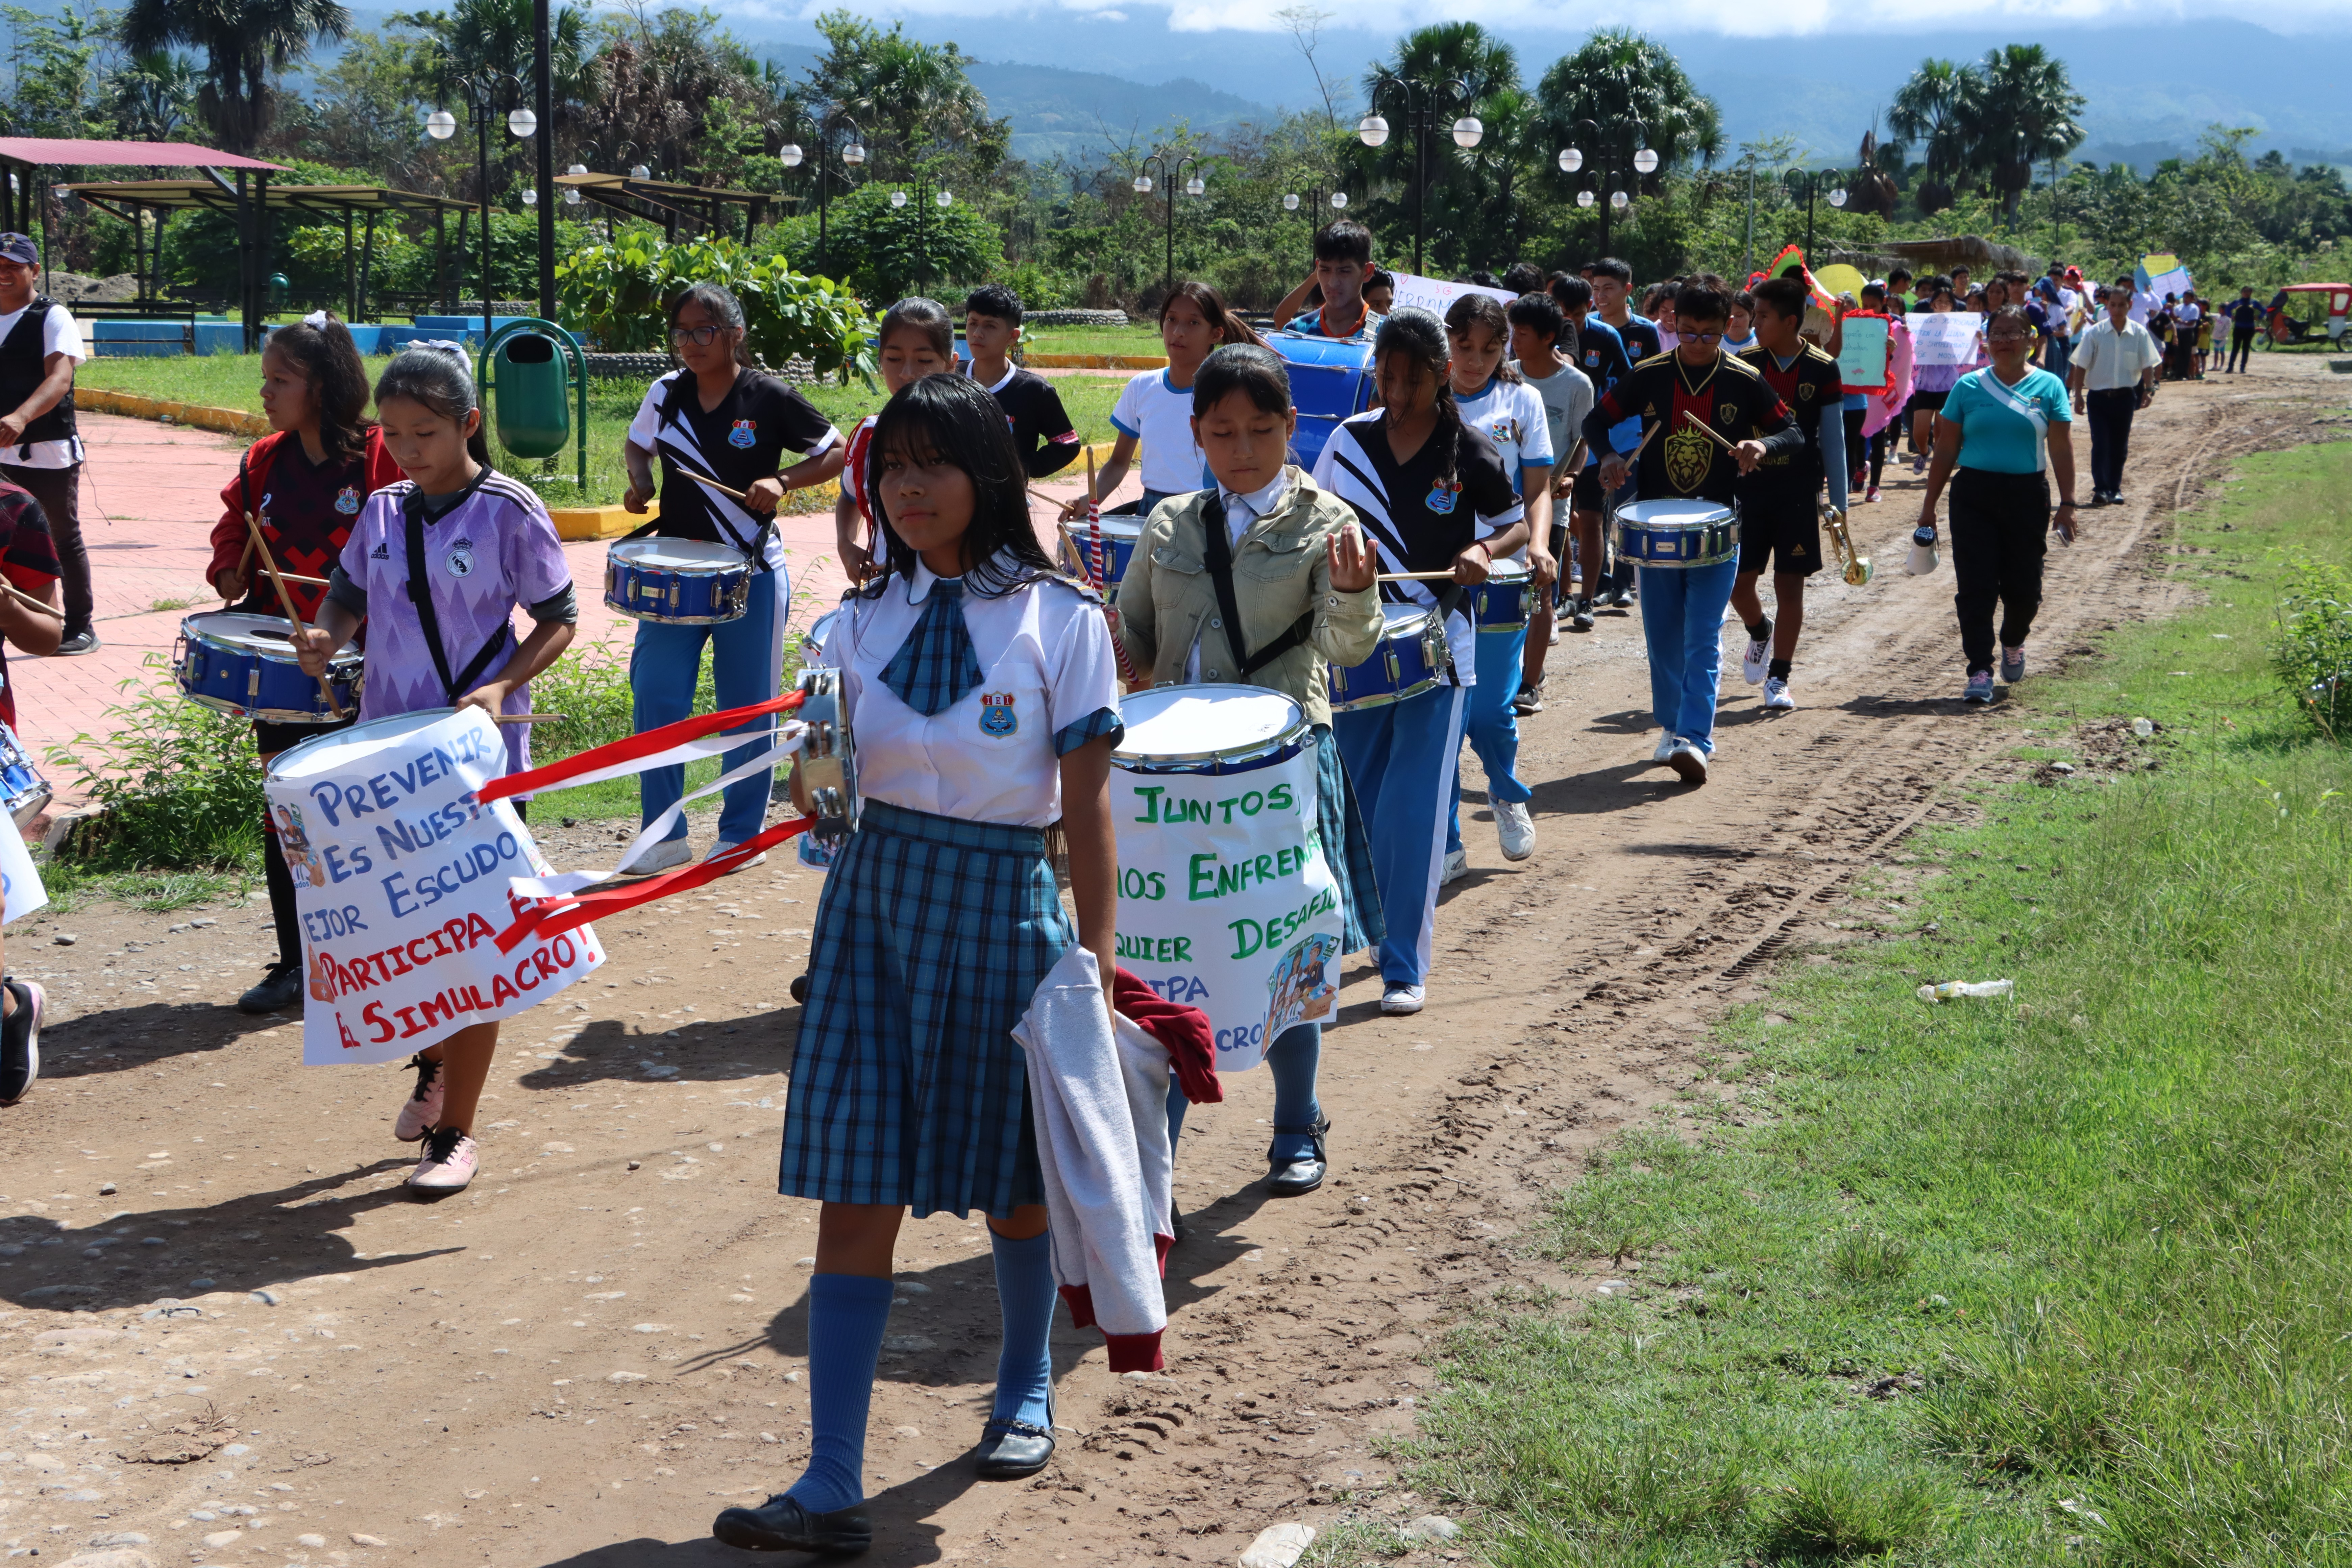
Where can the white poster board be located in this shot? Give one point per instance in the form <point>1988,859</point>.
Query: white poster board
<point>1225,902</point>
<point>1433,295</point>
<point>1948,338</point>
<point>20,885</point>
<point>400,885</point>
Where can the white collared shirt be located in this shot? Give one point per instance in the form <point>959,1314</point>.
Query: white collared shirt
<point>1241,510</point>
<point>2111,361</point>
<point>1046,654</point>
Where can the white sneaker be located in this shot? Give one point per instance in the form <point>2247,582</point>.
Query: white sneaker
<point>1400,999</point>
<point>723,848</point>
<point>661,857</point>
<point>1457,863</point>
<point>1666,748</point>
<point>449,1163</point>
<point>1689,762</point>
<point>1754,661</point>
<point>1776,695</point>
<point>1515,828</point>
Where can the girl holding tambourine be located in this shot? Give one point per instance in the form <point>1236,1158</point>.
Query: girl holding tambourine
<point>720,418</point>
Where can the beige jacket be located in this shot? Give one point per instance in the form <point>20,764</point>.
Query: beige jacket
<point>1281,570</point>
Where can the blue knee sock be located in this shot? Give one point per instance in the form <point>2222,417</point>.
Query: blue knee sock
<point>1292,1058</point>
<point>847,1313</point>
<point>1176,1104</point>
<point>1024,1288</point>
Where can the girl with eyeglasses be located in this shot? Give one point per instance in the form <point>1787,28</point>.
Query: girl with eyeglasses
<point>722,418</point>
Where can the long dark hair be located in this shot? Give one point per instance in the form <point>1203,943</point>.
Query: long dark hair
<point>330,361</point>
<point>441,379</point>
<point>1487,311</point>
<point>1416,331</point>
<point>1229,327</point>
<point>955,417</point>
<point>725,311</point>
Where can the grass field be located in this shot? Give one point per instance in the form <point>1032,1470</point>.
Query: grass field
<point>234,380</point>
<point>2061,1278</point>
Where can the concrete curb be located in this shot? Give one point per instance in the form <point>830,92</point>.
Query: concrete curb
<point>1095,361</point>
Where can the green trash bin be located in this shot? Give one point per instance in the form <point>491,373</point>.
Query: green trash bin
<point>531,385</point>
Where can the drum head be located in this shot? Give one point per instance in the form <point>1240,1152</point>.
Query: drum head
<point>339,749</point>
<point>679,554</point>
<point>1205,720</point>
<point>1673,513</point>
<point>265,635</point>
<point>1403,619</point>
<point>1508,571</point>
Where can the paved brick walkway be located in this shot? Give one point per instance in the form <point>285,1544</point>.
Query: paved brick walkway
<point>151,493</point>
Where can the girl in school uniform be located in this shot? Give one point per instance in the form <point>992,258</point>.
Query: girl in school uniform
<point>983,690</point>
<point>1156,409</point>
<point>486,547</point>
<point>304,481</point>
<point>917,340</point>
<point>719,417</point>
<point>1301,581</point>
<point>1433,495</point>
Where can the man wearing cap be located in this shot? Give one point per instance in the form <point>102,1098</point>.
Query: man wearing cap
<point>40,451</point>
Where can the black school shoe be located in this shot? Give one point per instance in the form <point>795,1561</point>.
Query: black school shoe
<point>280,987</point>
<point>20,1041</point>
<point>1299,1176</point>
<point>1013,1450</point>
<point>780,1524</point>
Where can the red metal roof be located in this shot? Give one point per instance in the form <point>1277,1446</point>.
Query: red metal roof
<point>161,154</point>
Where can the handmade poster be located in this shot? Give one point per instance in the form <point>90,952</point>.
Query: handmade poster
<point>20,885</point>
<point>1434,295</point>
<point>1862,352</point>
<point>401,883</point>
<point>1225,902</point>
<point>1949,338</point>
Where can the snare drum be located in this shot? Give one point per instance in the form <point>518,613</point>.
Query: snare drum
<point>245,664</point>
<point>1676,533</point>
<point>21,789</point>
<point>827,756</point>
<point>1120,530</point>
<point>1208,729</point>
<point>677,581</point>
<point>1503,602</point>
<point>812,639</point>
<point>1330,382</point>
<point>1409,660</point>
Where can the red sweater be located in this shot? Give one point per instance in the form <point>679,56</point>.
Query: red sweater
<point>308,545</point>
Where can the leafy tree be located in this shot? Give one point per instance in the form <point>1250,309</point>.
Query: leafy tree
<point>1452,70</point>
<point>246,43</point>
<point>2023,114</point>
<point>893,251</point>
<point>913,100</point>
<point>618,292</point>
<point>1617,93</point>
<point>59,87</point>
<point>657,83</point>
<point>1937,109</point>
<point>153,97</point>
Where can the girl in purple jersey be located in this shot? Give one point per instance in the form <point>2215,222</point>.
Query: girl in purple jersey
<point>486,547</point>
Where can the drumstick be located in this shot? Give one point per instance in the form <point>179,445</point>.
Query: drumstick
<point>1414,577</point>
<point>736,496</point>
<point>529,718</point>
<point>1711,434</point>
<point>1110,607</point>
<point>286,603</point>
<point>30,603</point>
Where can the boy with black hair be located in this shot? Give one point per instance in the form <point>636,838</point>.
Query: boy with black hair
<point>1613,295</point>
<point>1600,353</point>
<point>1541,351</point>
<point>1041,428</point>
<point>1524,277</point>
<point>1898,290</point>
<point>1379,291</point>
<point>1343,265</point>
<point>1780,504</point>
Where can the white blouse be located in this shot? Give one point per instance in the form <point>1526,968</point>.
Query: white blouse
<point>1046,654</point>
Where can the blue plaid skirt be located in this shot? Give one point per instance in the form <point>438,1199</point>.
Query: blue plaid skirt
<point>908,1087</point>
<point>1347,847</point>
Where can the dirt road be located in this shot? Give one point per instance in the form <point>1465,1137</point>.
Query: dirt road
<point>582,1359</point>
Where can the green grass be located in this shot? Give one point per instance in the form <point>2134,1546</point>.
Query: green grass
<point>1142,339</point>
<point>2061,1278</point>
<point>234,380</point>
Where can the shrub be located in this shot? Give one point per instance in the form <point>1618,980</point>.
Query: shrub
<point>891,252</point>
<point>2313,654</point>
<point>179,785</point>
<point>618,293</point>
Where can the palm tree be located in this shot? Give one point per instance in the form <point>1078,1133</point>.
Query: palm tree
<point>154,96</point>
<point>244,41</point>
<point>1637,95</point>
<point>2024,114</point>
<point>1455,69</point>
<point>1937,108</point>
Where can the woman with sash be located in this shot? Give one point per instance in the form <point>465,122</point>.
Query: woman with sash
<point>723,420</point>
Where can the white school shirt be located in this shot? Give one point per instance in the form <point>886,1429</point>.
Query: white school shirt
<point>1241,510</point>
<point>1512,416</point>
<point>61,334</point>
<point>2110,360</point>
<point>1161,416</point>
<point>1046,654</point>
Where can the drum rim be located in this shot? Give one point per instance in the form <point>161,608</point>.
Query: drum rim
<point>431,715</point>
<point>1130,523</point>
<point>1717,512</point>
<point>655,540</point>
<point>351,652</point>
<point>1292,734</point>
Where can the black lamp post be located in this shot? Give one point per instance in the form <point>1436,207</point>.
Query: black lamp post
<point>1813,181</point>
<point>1193,187</point>
<point>481,91</point>
<point>829,145</point>
<point>1421,111</point>
<point>1643,160</point>
<point>940,199</point>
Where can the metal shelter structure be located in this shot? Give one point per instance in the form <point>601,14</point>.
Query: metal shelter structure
<point>666,201</point>
<point>25,158</point>
<point>130,199</point>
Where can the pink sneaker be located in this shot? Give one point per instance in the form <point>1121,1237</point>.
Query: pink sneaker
<point>449,1162</point>
<point>421,1112</point>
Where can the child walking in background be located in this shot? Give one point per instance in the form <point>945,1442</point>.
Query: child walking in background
<point>917,340</point>
<point>1041,430</point>
<point>1156,409</point>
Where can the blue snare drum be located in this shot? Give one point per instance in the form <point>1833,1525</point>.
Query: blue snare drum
<point>1504,600</point>
<point>1120,530</point>
<point>1409,661</point>
<point>1330,381</point>
<point>244,665</point>
<point>1210,728</point>
<point>677,581</point>
<point>21,789</point>
<point>1678,533</point>
<point>812,639</point>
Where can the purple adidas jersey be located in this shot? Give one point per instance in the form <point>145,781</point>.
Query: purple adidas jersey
<point>495,550</point>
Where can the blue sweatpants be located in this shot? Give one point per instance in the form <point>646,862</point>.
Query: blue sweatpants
<point>1681,620</point>
<point>1402,759</point>
<point>747,659</point>
<point>1492,727</point>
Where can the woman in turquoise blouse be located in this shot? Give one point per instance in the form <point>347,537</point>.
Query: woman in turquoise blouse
<point>1997,427</point>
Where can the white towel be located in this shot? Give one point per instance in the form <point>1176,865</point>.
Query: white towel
<point>1099,1095</point>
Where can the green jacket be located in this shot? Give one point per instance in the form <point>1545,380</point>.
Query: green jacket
<point>1281,570</point>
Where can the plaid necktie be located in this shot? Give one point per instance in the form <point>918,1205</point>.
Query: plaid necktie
<point>936,666</point>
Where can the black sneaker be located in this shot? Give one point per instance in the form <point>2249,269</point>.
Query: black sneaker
<point>75,643</point>
<point>20,1041</point>
<point>280,987</point>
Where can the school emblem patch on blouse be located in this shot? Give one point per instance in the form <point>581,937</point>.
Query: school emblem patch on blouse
<point>1441,497</point>
<point>996,715</point>
<point>741,435</point>
<point>347,499</point>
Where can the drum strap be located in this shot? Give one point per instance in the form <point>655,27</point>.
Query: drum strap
<point>673,419</point>
<point>1217,551</point>
<point>420,593</point>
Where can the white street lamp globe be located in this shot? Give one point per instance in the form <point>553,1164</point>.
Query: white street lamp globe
<point>1142,184</point>
<point>1194,186</point>
<point>1584,198</point>
<point>1339,200</point>
<point>522,123</point>
<point>1290,202</point>
<point>854,154</point>
<point>440,125</point>
<point>1572,159</point>
<point>898,198</point>
<point>944,198</point>
<point>571,196</point>
<point>1372,131</point>
<point>639,172</point>
<point>530,196</point>
<point>1647,161</point>
<point>1467,130</point>
<point>790,155</point>
<point>576,169</point>
<point>1619,200</point>
<point>1837,198</point>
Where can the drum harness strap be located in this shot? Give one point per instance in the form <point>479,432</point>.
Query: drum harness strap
<point>1217,551</point>
<point>755,554</point>
<point>420,593</point>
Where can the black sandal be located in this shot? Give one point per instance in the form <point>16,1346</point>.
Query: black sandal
<point>1302,1175</point>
